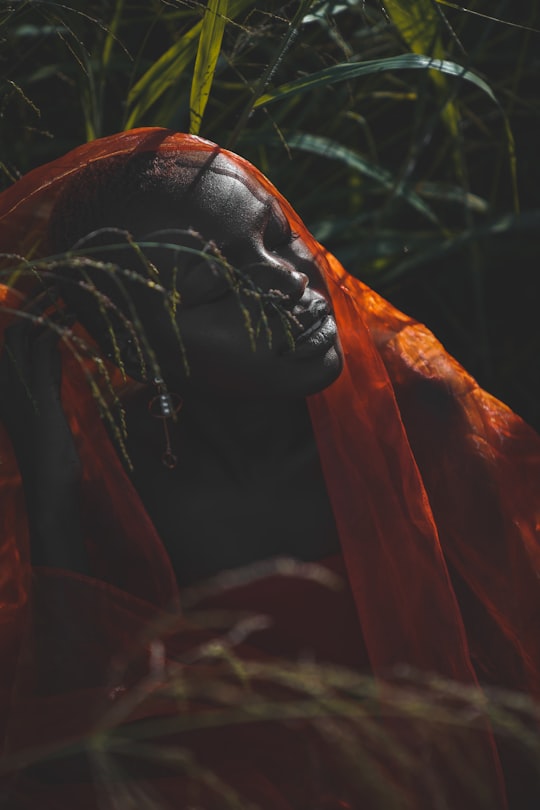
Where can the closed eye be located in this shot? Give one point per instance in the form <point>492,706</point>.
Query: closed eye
<point>197,274</point>
<point>277,232</point>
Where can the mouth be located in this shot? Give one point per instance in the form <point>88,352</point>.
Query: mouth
<point>310,319</point>
<point>316,329</point>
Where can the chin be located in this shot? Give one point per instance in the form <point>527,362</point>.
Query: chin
<point>313,380</point>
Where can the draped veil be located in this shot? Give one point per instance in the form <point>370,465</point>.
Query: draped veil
<point>434,484</point>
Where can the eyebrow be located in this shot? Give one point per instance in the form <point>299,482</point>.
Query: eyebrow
<point>273,208</point>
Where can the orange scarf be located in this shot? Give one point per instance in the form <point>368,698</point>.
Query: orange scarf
<point>435,485</point>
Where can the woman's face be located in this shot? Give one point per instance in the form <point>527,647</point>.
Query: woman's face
<point>267,328</point>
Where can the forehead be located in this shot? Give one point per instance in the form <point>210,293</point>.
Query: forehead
<point>218,191</point>
<point>215,194</point>
<point>225,187</point>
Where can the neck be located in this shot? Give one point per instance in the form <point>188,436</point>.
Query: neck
<point>242,434</point>
<point>250,425</point>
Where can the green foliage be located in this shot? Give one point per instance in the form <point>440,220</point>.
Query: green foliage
<point>344,72</point>
<point>208,52</point>
<point>164,73</point>
<point>332,150</point>
<point>418,24</point>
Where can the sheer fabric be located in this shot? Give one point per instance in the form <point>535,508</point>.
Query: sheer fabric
<point>435,487</point>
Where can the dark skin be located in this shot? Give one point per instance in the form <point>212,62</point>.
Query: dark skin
<point>248,483</point>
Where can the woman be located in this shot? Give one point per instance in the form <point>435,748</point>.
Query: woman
<point>397,471</point>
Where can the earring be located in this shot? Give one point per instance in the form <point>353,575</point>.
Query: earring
<point>164,406</point>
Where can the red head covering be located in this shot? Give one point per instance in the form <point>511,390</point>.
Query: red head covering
<point>434,484</point>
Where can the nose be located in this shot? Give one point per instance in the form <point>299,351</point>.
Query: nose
<point>279,277</point>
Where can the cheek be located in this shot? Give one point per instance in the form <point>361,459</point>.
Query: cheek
<point>214,334</point>
<point>242,321</point>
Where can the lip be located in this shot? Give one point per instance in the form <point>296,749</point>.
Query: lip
<point>318,330</point>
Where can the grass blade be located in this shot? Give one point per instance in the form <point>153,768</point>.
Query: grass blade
<point>111,34</point>
<point>527,222</point>
<point>489,17</point>
<point>418,23</point>
<point>353,70</point>
<point>168,69</point>
<point>213,27</point>
<point>270,69</point>
<point>164,73</point>
<point>325,147</point>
